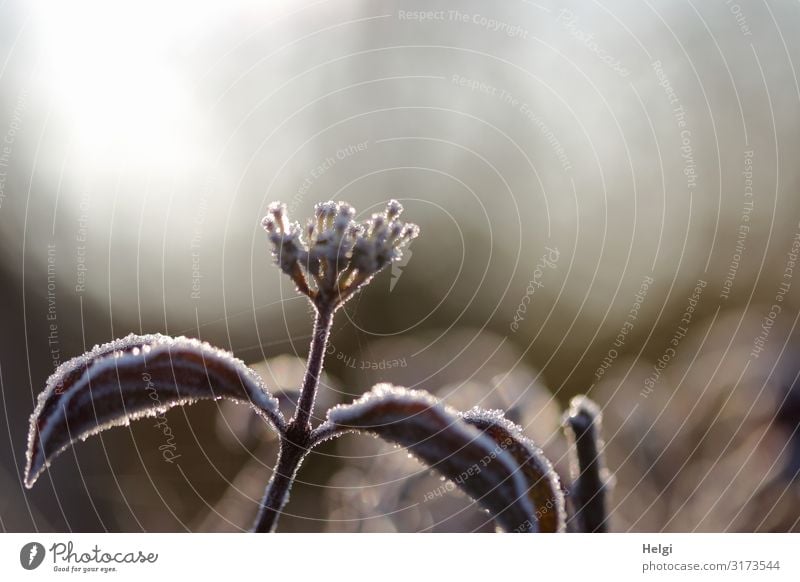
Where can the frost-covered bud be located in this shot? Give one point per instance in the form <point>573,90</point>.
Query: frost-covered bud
<point>324,211</point>
<point>340,255</point>
<point>343,218</point>
<point>393,209</point>
<point>395,231</point>
<point>410,232</point>
<point>288,246</point>
<point>377,227</point>
<point>275,220</point>
<point>385,237</point>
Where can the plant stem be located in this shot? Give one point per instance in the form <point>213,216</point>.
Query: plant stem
<point>316,355</point>
<point>295,443</point>
<point>590,488</point>
<point>277,493</point>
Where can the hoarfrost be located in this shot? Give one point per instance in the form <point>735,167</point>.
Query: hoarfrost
<point>543,484</point>
<point>115,383</point>
<point>438,436</point>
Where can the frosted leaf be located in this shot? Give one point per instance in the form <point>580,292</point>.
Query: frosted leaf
<point>436,435</point>
<point>131,378</point>
<point>544,486</point>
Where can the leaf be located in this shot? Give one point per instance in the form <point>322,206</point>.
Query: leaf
<point>544,486</point>
<point>440,438</point>
<point>131,378</point>
<point>591,483</point>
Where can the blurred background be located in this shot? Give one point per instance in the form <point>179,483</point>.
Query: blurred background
<point>608,198</point>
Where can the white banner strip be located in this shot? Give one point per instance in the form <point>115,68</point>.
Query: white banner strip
<point>401,557</point>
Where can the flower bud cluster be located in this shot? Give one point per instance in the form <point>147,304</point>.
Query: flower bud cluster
<point>334,255</point>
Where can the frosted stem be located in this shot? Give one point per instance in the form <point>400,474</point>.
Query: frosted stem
<point>277,493</point>
<point>295,444</point>
<point>590,488</point>
<point>316,356</point>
